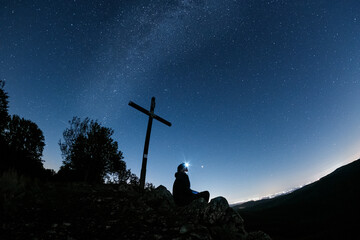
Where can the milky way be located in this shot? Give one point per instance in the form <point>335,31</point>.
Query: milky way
<point>263,95</point>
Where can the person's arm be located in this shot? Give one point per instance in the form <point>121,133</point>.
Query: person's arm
<point>186,191</point>
<point>185,185</point>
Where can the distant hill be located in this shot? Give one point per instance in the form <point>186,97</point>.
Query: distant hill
<point>323,209</point>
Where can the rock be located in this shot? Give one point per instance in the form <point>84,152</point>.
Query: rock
<point>160,199</point>
<point>201,232</point>
<point>194,212</point>
<point>157,237</point>
<point>186,228</point>
<point>233,220</point>
<point>195,231</point>
<point>259,235</point>
<point>225,222</point>
<point>216,210</point>
<point>131,214</point>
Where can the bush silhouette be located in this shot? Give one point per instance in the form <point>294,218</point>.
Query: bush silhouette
<point>90,154</point>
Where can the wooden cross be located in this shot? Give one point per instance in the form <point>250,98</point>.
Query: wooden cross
<point>147,138</point>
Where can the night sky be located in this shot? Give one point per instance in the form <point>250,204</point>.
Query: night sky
<point>263,95</point>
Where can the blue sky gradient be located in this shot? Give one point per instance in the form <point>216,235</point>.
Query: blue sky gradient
<point>263,95</point>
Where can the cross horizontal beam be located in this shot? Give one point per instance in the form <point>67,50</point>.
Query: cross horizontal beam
<point>150,114</point>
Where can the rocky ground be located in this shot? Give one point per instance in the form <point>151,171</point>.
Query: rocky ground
<point>80,211</point>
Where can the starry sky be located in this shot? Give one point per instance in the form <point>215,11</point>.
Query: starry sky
<point>263,95</point>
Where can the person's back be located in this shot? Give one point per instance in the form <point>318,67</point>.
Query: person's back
<point>182,192</point>
<point>181,189</point>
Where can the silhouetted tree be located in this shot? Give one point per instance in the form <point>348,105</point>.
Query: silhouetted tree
<point>89,152</point>
<point>149,186</point>
<point>119,173</point>
<point>25,136</point>
<point>134,180</point>
<point>26,143</point>
<point>4,105</point>
<point>21,143</point>
<point>4,119</point>
<point>67,174</point>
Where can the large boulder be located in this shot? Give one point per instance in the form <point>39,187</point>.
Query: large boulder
<point>216,210</point>
<point>223,221</point>
<point>160,199</point>
<point>214,220</point>
<point>198,220</point>
<point>194,212</point>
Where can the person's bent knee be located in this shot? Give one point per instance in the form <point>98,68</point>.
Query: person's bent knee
<point>205,195</point>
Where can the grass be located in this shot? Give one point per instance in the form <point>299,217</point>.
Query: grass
<point>14,188</point>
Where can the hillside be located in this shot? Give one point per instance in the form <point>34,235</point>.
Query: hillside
<point>35,210</point>
<point>323,209</point>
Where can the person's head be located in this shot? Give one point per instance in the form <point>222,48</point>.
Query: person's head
<point>183,167</point>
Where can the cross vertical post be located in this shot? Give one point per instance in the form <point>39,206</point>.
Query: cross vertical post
<point>147,138</point>
<point>146,146</point>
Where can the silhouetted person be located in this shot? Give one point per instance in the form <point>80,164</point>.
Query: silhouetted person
<point>182,193</point>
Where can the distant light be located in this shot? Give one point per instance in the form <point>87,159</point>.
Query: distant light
<point>187,164</point>
<point>202,166</point>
